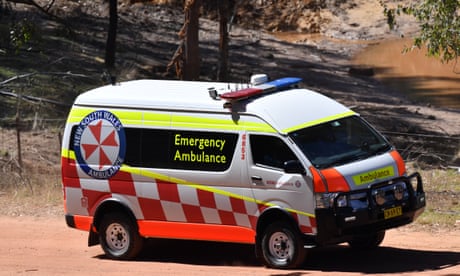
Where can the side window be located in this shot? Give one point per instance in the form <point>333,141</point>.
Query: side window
<point>147,147</point>
<point>133,150</point>
<point>270,151</point>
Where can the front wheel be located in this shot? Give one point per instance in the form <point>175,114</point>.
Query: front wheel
<point>119,237</point>
<point>282,246</point>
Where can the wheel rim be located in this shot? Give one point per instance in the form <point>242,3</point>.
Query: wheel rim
<point>280,247</point>
<point>117,238</point>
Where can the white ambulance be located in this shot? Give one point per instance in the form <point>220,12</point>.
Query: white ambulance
<point>265,163</point>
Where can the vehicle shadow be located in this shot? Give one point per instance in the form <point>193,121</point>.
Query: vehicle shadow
<point>380,260</point>
<point>199,253</point>
<point>338,258</point>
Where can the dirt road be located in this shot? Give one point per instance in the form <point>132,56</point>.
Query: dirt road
<point>46,246</point>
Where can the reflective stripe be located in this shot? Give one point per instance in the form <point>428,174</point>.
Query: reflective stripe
<point>157,119</point>
<point>335,180</point>
<point>146,173</point>
<point>196,231</point>
<point>319,121</point>
<point>399,162</point>
<point>223,124</point>
<point>126,117</point>
<point>76,114</point>
<point>318,184</point>
<point>166,119</point>
<point>65,152</point>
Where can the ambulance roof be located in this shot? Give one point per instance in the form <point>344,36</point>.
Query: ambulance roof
<point>285,110</point>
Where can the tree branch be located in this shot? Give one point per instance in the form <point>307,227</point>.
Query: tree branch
<point>42,9</point>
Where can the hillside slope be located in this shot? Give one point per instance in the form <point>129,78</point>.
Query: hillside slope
<point>66,59</point>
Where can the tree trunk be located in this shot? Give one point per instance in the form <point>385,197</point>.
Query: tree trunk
<point>191,69</point>
<point>110,47</point>
<point>222,74</point>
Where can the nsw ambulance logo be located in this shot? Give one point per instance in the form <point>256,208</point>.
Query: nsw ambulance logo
<point>99,144</point>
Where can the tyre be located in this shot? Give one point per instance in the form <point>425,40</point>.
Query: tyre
<point>119,236</point>
<point>282,246</point>
<point>365,242</point>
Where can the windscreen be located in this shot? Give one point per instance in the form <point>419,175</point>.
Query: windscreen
<point>339,142</point>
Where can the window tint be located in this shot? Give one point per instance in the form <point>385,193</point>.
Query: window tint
<point>270,151</point>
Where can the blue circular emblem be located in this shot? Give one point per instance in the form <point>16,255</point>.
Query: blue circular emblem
<point>100,144</point>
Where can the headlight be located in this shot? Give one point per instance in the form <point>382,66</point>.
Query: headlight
<point>326,200</point>
<point>379,196</point>
<point>398,191</point>
<point>342,201</point>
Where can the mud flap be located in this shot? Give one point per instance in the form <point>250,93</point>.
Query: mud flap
<point>93,237</point>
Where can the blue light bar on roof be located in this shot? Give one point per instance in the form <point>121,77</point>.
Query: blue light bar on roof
<point>270,86</point>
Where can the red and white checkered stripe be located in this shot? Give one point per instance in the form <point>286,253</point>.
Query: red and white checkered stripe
<point>154,199</point>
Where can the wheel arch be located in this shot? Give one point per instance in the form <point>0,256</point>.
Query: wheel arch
<point>278,217</point>
<point>274,214</point>
<point>111,205</point>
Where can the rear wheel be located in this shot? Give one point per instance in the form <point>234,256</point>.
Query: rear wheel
<point>282,246</point>
<point>119,236</point>
<point>368,241</point>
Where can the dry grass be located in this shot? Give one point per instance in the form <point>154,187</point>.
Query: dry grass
<point>442,188</point>
<point>35,187</point>
<point>31,193</point>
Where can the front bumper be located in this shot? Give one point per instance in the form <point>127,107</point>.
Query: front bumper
<point>340,224</point>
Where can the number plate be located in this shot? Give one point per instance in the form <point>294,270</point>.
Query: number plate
<point>392,212</point>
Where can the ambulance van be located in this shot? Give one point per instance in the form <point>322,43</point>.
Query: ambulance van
<point>265,163</point>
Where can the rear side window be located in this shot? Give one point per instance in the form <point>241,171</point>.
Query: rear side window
<point>147,147</point>
<point>270,151</point>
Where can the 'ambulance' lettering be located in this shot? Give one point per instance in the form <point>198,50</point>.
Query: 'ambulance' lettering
<point>201,157</point>
<point>368,177</point>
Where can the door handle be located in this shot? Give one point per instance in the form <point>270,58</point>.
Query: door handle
<point>257,180</point>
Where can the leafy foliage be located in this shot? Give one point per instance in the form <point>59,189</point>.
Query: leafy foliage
<point>439,25</point>
<point>21,34</point>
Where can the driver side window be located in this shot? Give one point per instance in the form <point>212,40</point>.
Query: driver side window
<point>270,151</point>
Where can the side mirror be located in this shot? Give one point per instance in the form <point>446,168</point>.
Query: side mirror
<point>294,166</point>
